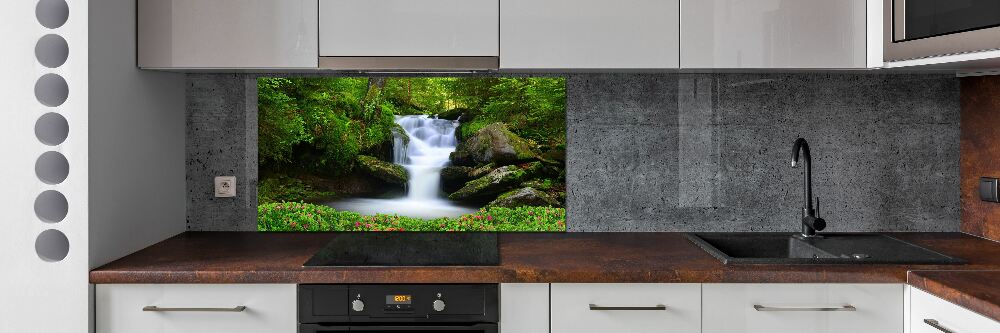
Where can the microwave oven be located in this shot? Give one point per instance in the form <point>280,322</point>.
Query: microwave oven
<point>915,29</point>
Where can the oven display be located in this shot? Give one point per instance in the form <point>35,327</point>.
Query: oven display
<point>398,299</point>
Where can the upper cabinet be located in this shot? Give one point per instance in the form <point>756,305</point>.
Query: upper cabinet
<point>589,34</point>
<point>407,34</point>
<point>221,34</point>
<point>780,34</point>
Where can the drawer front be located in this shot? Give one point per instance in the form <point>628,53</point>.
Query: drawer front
<point>946,315</point>
<point>778,308</point>
<point>634,308</point>
<point>269,308</point>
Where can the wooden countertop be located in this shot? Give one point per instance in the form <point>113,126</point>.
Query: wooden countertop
<point>978,291</point>
<point>250,257</point>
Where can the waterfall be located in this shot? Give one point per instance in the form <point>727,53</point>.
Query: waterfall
<point>431,142</point>
<point>426,151</point>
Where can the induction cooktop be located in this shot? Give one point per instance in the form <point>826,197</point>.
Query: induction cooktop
<point>408,249</point>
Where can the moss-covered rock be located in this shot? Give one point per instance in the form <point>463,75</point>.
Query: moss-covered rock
<point>482,170</point>
<point>385,171</point>
<point>454,114</point>
<point>493,144</point>
<point>497,181</point>
<point>526,196</point>
<point>454,177</point>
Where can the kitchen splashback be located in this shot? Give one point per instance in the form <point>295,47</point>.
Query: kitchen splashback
<point>682,152</point>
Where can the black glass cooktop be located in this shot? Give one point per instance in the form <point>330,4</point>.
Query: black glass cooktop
<point>408,249</point>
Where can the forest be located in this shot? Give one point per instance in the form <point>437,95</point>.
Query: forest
<point>345,153</point>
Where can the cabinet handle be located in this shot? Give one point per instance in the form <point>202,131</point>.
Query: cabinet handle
<point>596,307</point>
<point>159,309</point>
<point>935,324</point>
<point>759,307</point>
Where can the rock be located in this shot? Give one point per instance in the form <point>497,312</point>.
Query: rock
<point>482,170</point>
<point>493,144</point>
<point>454,114</point>
<point>526,196</point>
<point>454,177</point>
<point>385,171</point>
<point>497,181</point>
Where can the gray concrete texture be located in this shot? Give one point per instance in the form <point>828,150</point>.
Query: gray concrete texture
<point>684,152</point>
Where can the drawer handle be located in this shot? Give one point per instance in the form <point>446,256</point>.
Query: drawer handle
<point>935,324</point>
<point>759,307</point>
<point>596,307</point>
<point>159,309</point>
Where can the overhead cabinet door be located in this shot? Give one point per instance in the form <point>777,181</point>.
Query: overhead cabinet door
<point>227,34</point>
<point>589,34</point>
<point>775,34</point>
<point>409,28</point>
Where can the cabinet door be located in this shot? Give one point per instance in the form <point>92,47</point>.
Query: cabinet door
<point>927,310</point>
<point>773,34</point>
<point>803,308</point>
<point>524,308</point>
<point>633,308</point>
<point>408,28</point>
<point>195,308</point>
<point>589,34</point>
<point>227,33</point>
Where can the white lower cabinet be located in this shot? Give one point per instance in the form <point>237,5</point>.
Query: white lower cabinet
<point>802,308</point>
<point>634,308</point>
<point>930,314</point>
<point>524,308</point>
<point>189,308</point>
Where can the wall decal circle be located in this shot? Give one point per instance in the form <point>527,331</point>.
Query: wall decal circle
<point>52,245</point>
<point>51,51</point>
<point>51,129</point>
<point>51,90</point>
<point>52,13</point>
<point>52,167</point>
<point>51,206</point>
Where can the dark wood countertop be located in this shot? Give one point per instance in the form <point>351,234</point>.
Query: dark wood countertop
<point>978,291</point>
<point>250,257</point>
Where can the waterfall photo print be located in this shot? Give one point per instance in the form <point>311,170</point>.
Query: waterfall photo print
<point>411,154</point>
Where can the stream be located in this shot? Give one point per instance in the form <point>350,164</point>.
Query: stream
<point>431,142</point>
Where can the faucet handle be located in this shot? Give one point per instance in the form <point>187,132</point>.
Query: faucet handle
<point>817,206</point>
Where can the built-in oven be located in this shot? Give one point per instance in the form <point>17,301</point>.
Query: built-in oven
<point>376,308</point>
<point>916,29</point>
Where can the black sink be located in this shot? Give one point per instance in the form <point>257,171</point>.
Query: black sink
<point>837,248</point>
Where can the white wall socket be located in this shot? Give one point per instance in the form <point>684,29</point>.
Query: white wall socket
<point>225,186</point>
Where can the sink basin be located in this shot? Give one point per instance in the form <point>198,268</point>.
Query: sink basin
<point>787,248</point>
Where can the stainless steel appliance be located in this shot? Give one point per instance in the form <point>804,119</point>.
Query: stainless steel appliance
<point>467,308</point>
<point>916,29</point>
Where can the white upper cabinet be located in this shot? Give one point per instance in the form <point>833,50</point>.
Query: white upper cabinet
<point>589,34</point>
<point>409,28</point>
<point>227,34</point>
<point>780,34</point>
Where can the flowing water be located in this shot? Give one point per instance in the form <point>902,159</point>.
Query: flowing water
<point>431,142</point>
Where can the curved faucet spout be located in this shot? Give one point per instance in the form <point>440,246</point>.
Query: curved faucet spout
<point>810,222</point>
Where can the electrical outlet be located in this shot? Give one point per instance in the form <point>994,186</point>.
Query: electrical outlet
<point>225,186</point>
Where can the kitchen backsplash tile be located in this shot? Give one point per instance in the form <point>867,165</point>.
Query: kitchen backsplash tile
<point>684,152</point>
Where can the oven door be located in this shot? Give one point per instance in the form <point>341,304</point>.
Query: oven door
<point>475,328</point>
<point>914,29</point>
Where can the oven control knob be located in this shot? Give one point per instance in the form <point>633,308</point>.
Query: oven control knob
<point>438,305</point>
<point>358,305</point>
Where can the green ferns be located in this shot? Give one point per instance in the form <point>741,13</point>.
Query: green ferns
<point>300,216</point>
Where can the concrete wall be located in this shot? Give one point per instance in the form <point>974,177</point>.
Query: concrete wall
<point>684,152</point>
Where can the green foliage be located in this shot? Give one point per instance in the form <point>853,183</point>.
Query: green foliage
<point>278,189</point>
<point>320,123</point>
<point>299,216</point>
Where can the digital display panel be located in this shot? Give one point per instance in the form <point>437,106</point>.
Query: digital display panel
<point>398,299</point>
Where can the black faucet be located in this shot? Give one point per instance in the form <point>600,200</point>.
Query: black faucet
<point>810,221</point>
